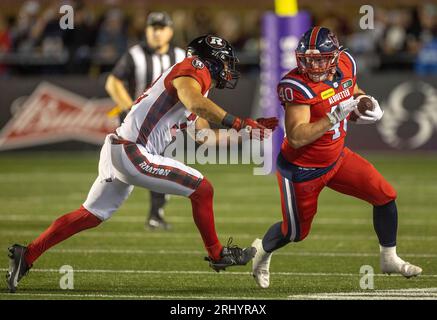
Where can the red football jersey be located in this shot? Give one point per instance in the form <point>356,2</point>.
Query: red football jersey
<point>158,112</point>
<point>323,97</point>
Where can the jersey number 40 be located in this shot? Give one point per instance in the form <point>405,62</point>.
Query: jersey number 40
<point>286,94</point>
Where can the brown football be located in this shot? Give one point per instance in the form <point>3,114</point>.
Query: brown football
<point>365,103</point>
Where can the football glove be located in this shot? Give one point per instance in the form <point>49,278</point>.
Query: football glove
<point>371,116</point>
<point>269,123</point>
<point>250,126</point>
<point>342,111</point>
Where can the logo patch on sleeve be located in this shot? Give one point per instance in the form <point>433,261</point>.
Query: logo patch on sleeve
<point>198,64</point>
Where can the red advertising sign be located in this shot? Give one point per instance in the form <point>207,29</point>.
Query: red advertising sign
<point>52,114</point>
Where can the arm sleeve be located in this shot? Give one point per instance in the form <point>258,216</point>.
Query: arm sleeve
<point>187,68</point>
<point>290,93</point>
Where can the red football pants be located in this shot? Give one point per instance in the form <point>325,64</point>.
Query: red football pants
<point>351,175</point>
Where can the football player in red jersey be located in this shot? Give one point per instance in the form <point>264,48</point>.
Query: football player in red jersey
<point>317,97</point>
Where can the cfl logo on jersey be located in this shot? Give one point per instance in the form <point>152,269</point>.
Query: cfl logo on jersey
<point>215,42</point>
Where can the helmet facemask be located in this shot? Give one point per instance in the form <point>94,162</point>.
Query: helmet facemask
<point>317,66</point>
<point>223,70</point>
<point>317,54</point>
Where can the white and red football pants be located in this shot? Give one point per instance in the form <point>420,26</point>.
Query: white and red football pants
<point>133,166</point>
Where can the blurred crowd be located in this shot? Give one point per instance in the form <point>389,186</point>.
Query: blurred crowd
<point>402,39</point>
<point>31,40</point>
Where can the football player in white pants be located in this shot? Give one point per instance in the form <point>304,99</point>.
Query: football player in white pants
<point>132,156</point>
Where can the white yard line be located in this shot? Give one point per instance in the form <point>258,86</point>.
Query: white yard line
<point>198,252</point>
<point>195,235</point>
<point>124,296</point>
<point>336,297</point>
<point>393,294</point>
<point>236,220</point>
<point>196,272</point>
<point>401,294</point>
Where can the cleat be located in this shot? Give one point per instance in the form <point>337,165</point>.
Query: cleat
<point>18,266</point>
<point>261,265</point>
<point>154,223</point>
<point>232,256</point>
<point>399,266</point>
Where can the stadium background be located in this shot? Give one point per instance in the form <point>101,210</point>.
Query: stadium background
<point>45,170</point>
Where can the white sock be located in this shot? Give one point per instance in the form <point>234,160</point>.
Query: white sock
<point>388,251</point>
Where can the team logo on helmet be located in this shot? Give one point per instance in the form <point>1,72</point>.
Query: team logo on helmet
<point>215,42</point>
<point>198,64</point>
<point>333,39</point>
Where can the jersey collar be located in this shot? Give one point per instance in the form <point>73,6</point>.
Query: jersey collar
<point>335,83</point>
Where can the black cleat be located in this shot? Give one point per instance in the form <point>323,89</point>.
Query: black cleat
<point>156,222</point>
<point>18,266</point>
<point>232,256</point>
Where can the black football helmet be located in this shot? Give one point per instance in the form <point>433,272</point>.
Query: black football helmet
<point>317,53</point>
<point>219,57</point>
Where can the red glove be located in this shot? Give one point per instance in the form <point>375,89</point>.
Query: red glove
<point>269,123</point>
<point>252,127</point>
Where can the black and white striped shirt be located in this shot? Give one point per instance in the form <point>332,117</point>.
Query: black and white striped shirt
<point>140,66</point>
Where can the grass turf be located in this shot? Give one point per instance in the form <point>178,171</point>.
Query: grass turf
<point>122,260</point>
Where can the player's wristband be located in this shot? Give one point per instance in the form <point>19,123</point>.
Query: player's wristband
<point>231,121</point>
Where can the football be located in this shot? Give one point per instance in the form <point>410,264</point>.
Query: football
<point>364,103</point>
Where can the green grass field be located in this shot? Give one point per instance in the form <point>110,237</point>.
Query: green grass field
<point>122,260</point>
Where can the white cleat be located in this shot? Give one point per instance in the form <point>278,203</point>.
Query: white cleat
<point>261,265</point>
<point>397,265</point>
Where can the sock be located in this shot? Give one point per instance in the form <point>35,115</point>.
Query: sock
<point>203,215</point>
<point>389,255</point>
<point>387,251</point>
<point>61,229</point>
<point>274,239</point>
<point>385,223</point>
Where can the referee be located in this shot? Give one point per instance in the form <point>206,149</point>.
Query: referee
<point>134,72</point>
